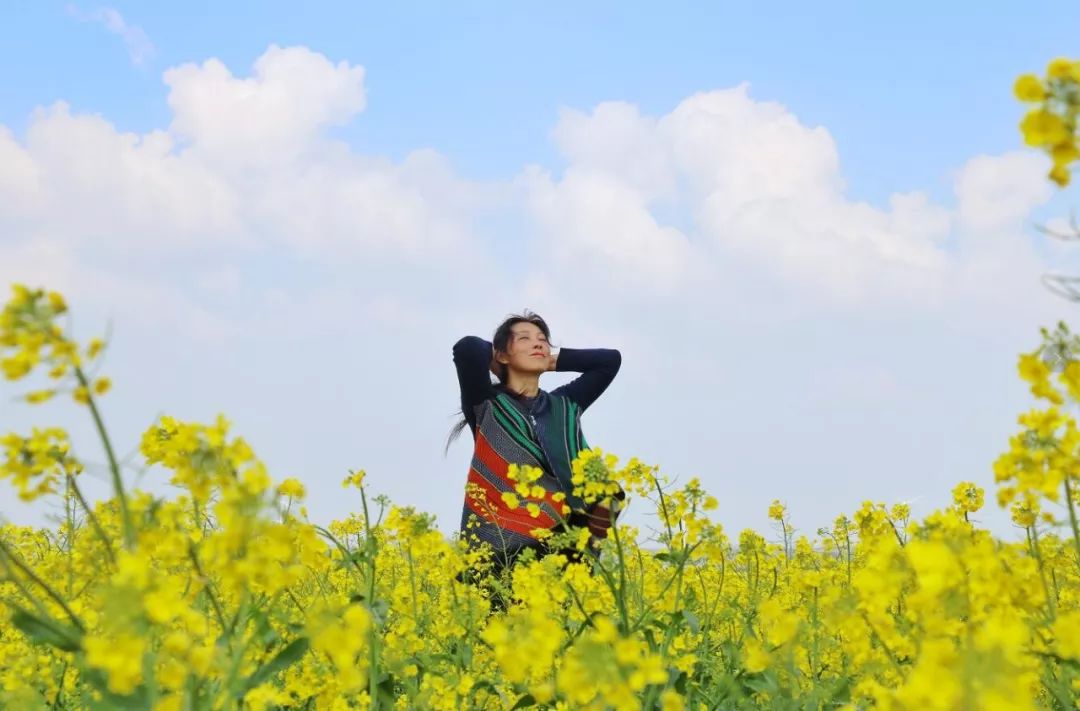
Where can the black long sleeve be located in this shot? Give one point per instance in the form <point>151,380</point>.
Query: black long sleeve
<point>472,358</point>
<point>598,367</point>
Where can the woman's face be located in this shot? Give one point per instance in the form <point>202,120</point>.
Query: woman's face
<point>528,350</point>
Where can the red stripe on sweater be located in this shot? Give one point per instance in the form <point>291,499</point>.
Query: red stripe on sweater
<point>493,509</point>
<point>499,467</point>
<point>490,458</point>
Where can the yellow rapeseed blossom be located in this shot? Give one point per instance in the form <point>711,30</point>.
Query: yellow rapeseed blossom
<point>355,479</point>
<point>1051,124</point>
<point>120,657</point>
<point>1029,88</point>
<point>102,386</point>
<point>221,598</point>
<point>292,488</point>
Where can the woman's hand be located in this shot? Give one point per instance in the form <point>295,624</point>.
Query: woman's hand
<point>553,358</point>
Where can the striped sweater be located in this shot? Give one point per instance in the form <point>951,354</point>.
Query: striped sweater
<point>542,431</point>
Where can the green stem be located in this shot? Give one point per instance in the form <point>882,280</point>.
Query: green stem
<point>209,591</point>
<point>847,541</point>
<point>94,523</point>
<point>60,686</point>
<point>623,612</point>
<point>114,466</point>
<point>1033,542</point>
<point>412,585</point>
<point>1072,518</point>
<point>373,650</point>
<point>878,638</point>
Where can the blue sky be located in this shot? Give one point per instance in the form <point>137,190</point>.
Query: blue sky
<point>908,90</point>
<point>819,284</point>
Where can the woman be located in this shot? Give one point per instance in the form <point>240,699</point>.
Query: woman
<point>515,422</point>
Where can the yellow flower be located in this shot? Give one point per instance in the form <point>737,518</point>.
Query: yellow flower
<point>1064,153</point>
<point>1037,374</point>
<point>967,497</point>
<point>755,658</point>
<point>56,301</point>
<point>1024,513</point>
<point>1029,88</point>
<point>1067,635</point>
<point>93,349</point>
<point>81,395</point>
<point>671,700</point>
<point>120,657</point>
<point>510,499</point>
<point>102,385</point>
<point>292,488</point>
<point>1060,175</point>
<point>355,479</point>
<point>1059,68</point>
<point>39,396</point>
<point>1043,128</point>
<point>777,510</point>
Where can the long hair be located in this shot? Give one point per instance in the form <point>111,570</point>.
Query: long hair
<point>500,343</point>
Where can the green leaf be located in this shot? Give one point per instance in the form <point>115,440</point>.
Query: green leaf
<point>766,681</point>
<point>480,686</point>
<point>385,690</point>
<point>524,702</point>
<point>379,611</point>
<point>692,621</point>
<point>291,653</point>
<point>45,631</point>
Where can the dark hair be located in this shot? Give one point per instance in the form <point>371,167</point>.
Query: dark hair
<point>500,343</point>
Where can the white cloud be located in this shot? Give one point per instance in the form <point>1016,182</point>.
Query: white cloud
<point>715,244</point>
<point>271,116</point>
<point>140,48</point>
<point>997,193</point>
<point>600,226</point>
<point>244,166</point>
<point>749,180</point>
<point>20,177</point>
<point>106,189</point>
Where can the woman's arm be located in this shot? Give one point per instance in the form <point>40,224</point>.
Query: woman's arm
<point>598,367</point>
<point>472,358</point>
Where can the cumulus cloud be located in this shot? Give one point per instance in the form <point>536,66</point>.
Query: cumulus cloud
<point>997,193</point>
<point>96,186</point>
<point>245,165</point>
<point>725,182</point>
<point>292,95</point>
<point>715,243</point>
<point>667,204</point>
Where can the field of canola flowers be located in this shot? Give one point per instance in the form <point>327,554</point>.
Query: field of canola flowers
<point>226,596</point>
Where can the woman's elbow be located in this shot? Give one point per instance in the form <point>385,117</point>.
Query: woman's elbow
<point>470,344</point>
<point>616,359</point>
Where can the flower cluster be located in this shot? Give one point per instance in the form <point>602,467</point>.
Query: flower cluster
<point>1051,124</point>
<point>225,595</point>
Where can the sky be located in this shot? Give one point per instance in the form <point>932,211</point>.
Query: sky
<point>809,231</point>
